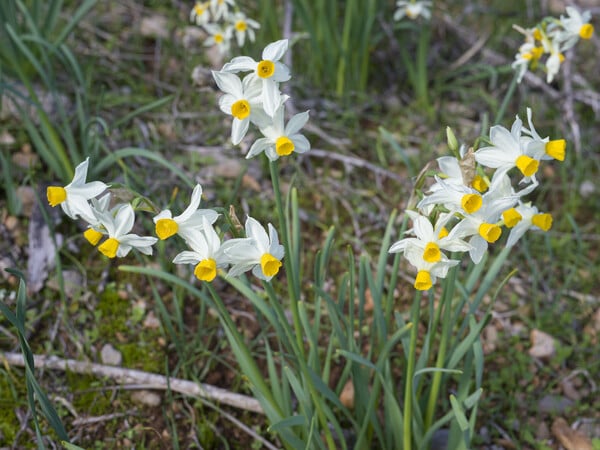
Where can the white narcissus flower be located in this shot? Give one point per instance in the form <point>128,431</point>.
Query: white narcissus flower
<point>451,173</point>
<point>96,230</point>
<point>508,150</point>
<point>243,26</point>
<point>120,241</point>
<point>220,8</point>
<point>242,100</point>
<point>428,272</point>
<point>529,53</point>
<point>206,255</point>
<point>482,226</point>
<point>280,140</point>
<point>412,9</point>
<point>270,70</point>
<point>554,61</point>
<point>551,149</point>
<point>200,13</point>
<point>219,37</point>
<point>522,218</point>
<point>258,251</point>
<point>571,28</point>
<point>430,240</point>
<point>74,197</point>
<point>455,197</point>
<point>188,222</point>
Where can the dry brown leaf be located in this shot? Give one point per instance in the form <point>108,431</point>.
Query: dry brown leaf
<point>569,438</point>
<point>347,395</point>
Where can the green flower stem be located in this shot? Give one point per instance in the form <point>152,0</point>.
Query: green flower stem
<point>421,90</point>
<point>410,371</point>
<point>290,271</point>
<point>509,93</point>
<point>244,353</point>
<point>446,303</point>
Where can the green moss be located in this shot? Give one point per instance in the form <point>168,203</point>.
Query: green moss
<point>86,398</point>
<point>113,312</point>
<point>142,356</point>
<point>12,395</point>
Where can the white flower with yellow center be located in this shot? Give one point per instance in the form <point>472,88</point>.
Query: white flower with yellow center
<point>270,70</point>
<point>96,230</point>
<point>74,197</point>
<point>412,9</point>
<point>258,251</point>
<point>280,140</point>
<point>120,241</point>
<point>188,222</point>
<point>551,149</point>
<point>451,173</point>
<point>555,59</point>
<point>200,13</point>
<point>219,37</point>
<point>529,54</point>
<point>430,240</point>
<point>428,272</point>
<point>572,28</point>
<point>508,150</point>
<point>523,218</point>
<point>220,8</point>
<point>483,226</point>
<point>243,101</point>
<point>243,26</point>
<point>454,197</point>
<point>205,255</point>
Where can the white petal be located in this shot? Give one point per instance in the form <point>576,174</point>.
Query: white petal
<point>296,123</point>
<point>193,206</point>
<point>271,97</point>
<point>275,50</point>
<point>240,64</point>
<point>255,231</point>
<point>124,220</point>
<point>282,73</point>
<point>228,83</point>
<point>239,128</point>
<point>258,147</point>
<point>187,257</point>
<point>301,144</point>
<point>80,173</point>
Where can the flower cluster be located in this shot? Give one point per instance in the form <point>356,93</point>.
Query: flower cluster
<point>551,37</point>
<point>467,207</point>
<point>222,24</point>
<point>412,9</point>
<point>259,251</point>
<point>256,99</point>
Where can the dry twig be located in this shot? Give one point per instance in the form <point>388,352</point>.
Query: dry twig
<point>149,380</point>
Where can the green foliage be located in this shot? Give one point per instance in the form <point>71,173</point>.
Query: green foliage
<point>335,50</point>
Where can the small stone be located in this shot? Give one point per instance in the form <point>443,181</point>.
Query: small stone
<point>6,138</point>
<point>151,321</point>
<point>155,26</point>
<point>147,398</point>
<point>554,404</point>
<point>11,223</point>
<point>542,431</point>
<point>26,194</point>
<point>587,188</point>
<point>542,345</point>
<point>110,355</point>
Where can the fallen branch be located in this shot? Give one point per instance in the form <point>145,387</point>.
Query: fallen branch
<point>148,380</point>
